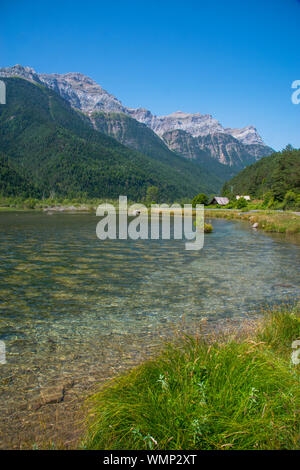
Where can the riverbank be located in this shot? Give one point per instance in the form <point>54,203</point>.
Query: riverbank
<point>12,204</point>
<point>229,385</point>
<point>235,389</point>
<point>269,221</point>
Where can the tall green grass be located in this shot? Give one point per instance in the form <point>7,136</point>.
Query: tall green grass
<point>239,393</point>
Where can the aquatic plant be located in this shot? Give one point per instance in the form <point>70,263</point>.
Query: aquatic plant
<point>208,228</point>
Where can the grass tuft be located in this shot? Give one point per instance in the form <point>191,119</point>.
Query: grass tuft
<point>242,393</point>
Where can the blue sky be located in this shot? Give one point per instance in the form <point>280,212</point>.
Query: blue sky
<point>233,59</point>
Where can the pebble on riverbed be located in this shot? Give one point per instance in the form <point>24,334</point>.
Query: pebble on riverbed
<point>51,395</point>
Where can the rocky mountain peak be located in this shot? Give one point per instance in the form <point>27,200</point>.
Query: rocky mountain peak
<point>19,71</point>
<point>247,135</point>
<point>82,92</point>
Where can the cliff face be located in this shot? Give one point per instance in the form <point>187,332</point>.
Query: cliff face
<point>82,92</point>
<point>131,133</point>
<point>194,124</point>
<point>202,132</point>
<point>138,136</point>
<point>222,147</point>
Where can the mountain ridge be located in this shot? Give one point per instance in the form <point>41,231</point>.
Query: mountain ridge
<point>53,146</point>
<point>86,95</point>
<point>138,136</point>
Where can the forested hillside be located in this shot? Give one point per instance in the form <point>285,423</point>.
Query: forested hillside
<point>13,184</point>
<point>137,135</point>
<point>274,176</point>
<point>56,149</point>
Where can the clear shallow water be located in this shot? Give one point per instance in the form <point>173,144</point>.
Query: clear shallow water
<point>71,304</point>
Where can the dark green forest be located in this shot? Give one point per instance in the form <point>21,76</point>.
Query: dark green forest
<point>51,150</point>
<point>12,184</point>
<point>270,177</point>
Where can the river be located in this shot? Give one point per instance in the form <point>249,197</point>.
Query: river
<point>73,306</point>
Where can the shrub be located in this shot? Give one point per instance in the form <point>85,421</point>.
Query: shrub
<point>290,200</point>
<point>200,199</point>
<point>30,203</point>
<point>241,203</point>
